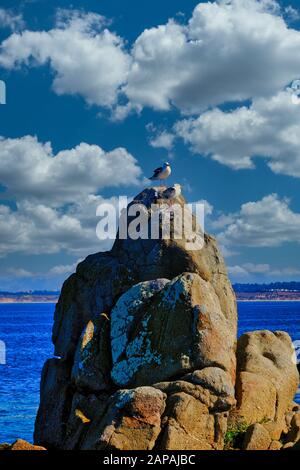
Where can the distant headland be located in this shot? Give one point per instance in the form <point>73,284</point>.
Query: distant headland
<point>275,291</point>
<point>38,296</point>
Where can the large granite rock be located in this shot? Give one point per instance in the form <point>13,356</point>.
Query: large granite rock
<point>267,380</point>
<point>132,421</point>
<point>257,438</point>
<point>92,361</point>
<point>103,277</point>
<point>181,328</point>
<point>56,397</point>
<point>145,346</point>
<point>20,444</point>
<point>197,410</point>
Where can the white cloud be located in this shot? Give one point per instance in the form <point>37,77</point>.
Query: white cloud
<point>19,278</point>
<point>269,128</point>
<point>8,19</point>
<point>39,229</point>
<point>29,170</point>
<point>222,221</point>
<point>63,269</point>
<point>256,268</point>
<point>237,271</point>
<point>208,208</point>
<point>248,271</point>
<point>36,229</point>
<point>283,272</point>
<point>20,273</point>
<point>56,195</point>
<point>229,51</point>
<point>163,140</point>
<point>86,58</point>
<point>266,223</point>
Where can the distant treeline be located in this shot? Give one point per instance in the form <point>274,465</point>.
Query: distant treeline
<point>288,286</point>
<point>34,292</point>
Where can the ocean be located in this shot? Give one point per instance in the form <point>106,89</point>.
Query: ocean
<point>26,331</point>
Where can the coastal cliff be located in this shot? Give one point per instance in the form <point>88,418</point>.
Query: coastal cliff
<point>147,357</point>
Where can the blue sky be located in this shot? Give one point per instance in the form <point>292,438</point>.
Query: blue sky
<point>206,86</point>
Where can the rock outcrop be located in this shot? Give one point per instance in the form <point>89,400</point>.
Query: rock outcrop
<point>145,352</point>
<point>257,438</point>
<point>267,380</point>
<point>20,444</point>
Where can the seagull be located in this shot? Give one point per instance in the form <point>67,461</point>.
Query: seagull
<point>172,192</point>
<point>161,173</point>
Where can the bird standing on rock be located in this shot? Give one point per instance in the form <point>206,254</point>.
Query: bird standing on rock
<point>161,173</point>
<point>172,192</point>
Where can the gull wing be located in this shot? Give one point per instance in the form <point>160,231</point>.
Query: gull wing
<point>156,172</point>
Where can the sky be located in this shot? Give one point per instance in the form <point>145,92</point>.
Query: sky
<point>99,93</point>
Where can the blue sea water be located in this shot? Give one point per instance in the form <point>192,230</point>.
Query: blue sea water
<point>26,331</point>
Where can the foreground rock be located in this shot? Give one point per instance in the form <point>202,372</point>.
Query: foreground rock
<point>132,421</point>
<point>256,438</point>
<point>20,444</point>
<point>145,339</point>
<point>267,380</point>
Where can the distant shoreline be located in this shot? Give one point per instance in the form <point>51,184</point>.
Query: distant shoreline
<point>56,300</point>
<point>268,300</point>
<point>29,302</point>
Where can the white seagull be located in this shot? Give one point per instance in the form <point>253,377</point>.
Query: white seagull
<point>172,192</point>
<point>161,173</point>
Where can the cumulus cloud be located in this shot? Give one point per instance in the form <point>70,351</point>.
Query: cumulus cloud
<point>208,207</point>
<point>29,170</point>
<point>269,222</point>
<point>18,278</point>
<point>36,229</point>
<point>56,195</point>
<point>63,269</point>
<point>39,229</point>
<point>229,51</point>
<point>163,140</point>
<point>20,273</point>
<point>269,128</point>
<point>247,271</point>
<point>11,20</point>
<point>86,58</point>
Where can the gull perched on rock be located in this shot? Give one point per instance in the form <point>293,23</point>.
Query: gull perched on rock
<point>172,192</point>
<point>161,173</point>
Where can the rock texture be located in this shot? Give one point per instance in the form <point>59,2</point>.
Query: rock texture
<point>267,380</point>
<point>20,444</point>
<point>145,346</point>
<point>257,438</point>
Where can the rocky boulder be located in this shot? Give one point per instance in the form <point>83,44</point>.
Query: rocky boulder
<point>267,380</point>
<point>132,421</point>
<point>257,438</point>
<point>20,444</point>
<point>179,329</point>
<point>140,332</point>
<point>145,345</point>
<point>103,277</point>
